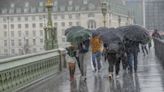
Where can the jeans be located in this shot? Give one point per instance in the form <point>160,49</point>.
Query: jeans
<point>132,57</point>
<point>96,57</point>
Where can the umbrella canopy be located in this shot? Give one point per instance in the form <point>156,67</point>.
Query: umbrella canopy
<point>78,36</point>
<point>110,37</point>
<point>135,33</point>
<point>73,29</point>
<point>99,30</point>
<point>111,40</point>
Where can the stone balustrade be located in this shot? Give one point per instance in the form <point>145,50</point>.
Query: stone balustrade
<point>159,49</point>
<point>21,71</point>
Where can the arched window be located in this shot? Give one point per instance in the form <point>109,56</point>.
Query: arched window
<point>91,24</point>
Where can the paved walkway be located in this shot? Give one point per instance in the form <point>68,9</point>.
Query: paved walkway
<point>150,78</point>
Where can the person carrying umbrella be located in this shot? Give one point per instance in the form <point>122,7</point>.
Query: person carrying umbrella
<point>70,57</point>
<point>156,34</point>
<point>83,49</point>
<point>132,49</point>
<point>96,45</point>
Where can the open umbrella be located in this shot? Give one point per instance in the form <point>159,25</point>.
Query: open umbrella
<point>109,37</point>
<point>99,30</point>
<point>135,33</point>
<point>73,29</point>
<point>78,36</point>
<point>111,40</point>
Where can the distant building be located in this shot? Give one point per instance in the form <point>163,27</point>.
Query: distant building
<point>22,21</point>
<point>137,10</point>
<point>155,14</point>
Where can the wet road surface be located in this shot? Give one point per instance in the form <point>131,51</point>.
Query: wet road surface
<point>149,78</point>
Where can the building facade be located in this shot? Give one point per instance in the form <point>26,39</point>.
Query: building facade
<point>136,7</point>
<point>154,14</point>
<point>22,22</point>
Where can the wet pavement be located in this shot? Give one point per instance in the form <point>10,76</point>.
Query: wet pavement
<point>149,78</point>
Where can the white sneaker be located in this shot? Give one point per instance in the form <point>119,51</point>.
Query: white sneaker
<point>110,76</point>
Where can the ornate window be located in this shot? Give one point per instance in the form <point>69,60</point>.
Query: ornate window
<point>77,8</point>
<point>18,10</point>
<point>91,6</point>
<point>85,1</point>
<point>11,11</point>
<point>27,4</point>
<point>91,15</point>
<point>4,11</point>
<point>70,8</point>
<point>12,5</point>
<point>70,2</point>
<point>91,24</point>
<point>62,8</point>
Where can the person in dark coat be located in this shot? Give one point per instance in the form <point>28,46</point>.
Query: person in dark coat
<point>132,50</point>
<point>156,34</point>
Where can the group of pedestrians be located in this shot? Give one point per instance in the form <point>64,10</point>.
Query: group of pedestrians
<point>127,53</point>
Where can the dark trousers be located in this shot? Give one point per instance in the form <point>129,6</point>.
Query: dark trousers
<point>144,50</point>
<point>111,60</point>
<point>132,57</point>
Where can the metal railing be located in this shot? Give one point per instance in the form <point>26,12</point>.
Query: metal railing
<point>21,71</point>
<point>159,49</point>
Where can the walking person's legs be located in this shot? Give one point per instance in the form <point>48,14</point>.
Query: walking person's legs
<point>130,61</point>
<point>98,58</point>
<point>117,66</point>
<point>81,59</point>
<point>146,50</point>
<point>94,60</point>
<point>135,61</point>
<point>110,59</point>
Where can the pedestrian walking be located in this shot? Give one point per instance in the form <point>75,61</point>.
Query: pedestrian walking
<point>83,49</point>
<point>96,45</point>
<point>144,49</point>
<point>156,34</point>
<point>150,44</point>
<point>70,57</point>
<point>132,50</point>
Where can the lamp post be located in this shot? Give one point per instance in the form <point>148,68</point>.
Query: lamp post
<point>119,21</point>
<point>50,31</point>
<point>104,11</point>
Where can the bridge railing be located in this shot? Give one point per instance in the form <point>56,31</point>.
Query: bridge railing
<point>159,49</point>
<point>21,71</point>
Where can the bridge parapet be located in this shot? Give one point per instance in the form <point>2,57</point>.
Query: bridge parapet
<point>21,71</point>
<point>159,49</point>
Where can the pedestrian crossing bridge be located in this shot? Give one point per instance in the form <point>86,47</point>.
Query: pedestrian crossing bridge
<point>47,72</point>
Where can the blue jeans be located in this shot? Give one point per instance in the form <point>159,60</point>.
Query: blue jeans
<point>96,57</point>
<point>132,57</point>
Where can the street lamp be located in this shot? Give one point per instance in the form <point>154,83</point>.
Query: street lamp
<point>104,11</point>
<point>119,21</point>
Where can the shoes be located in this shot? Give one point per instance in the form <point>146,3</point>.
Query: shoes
<point>110,76</point>
<point>84,78</point>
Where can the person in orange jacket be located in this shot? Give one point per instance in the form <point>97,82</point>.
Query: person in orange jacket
<point>96,45</point>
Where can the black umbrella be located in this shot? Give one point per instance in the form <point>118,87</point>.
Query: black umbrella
<point>99,30</point>
<point>110,37</point>
<point>111,40</point>
<point>134,33</point>
<point>73,29</point>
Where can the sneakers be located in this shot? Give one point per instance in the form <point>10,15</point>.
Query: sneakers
<point>110,76</point>
<point>84,78</point>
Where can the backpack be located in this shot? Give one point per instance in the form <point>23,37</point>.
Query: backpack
<point>84,46</point>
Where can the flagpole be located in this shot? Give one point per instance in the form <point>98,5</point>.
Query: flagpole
<point>143,9</point>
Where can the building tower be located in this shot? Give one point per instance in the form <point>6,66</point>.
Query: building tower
<point>50,31</point>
